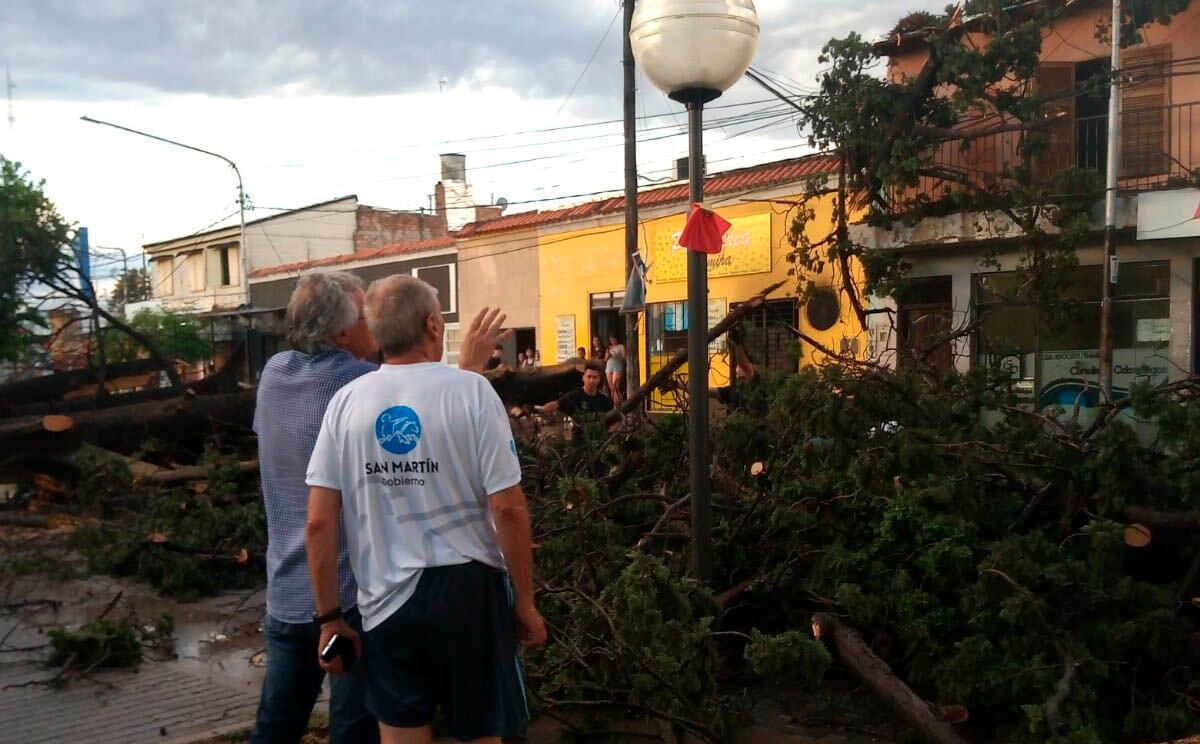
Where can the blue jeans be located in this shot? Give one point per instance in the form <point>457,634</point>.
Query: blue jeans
<point>294,680</point>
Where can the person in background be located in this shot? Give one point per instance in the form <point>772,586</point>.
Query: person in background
<point>496,359</point>
<point>331,347</point>
<point>585,400</point>
<point>531,359</point>
<point>615,369</point>
<point>599,353</point>
<point>581,353</point>
<point>520,360</point>
<point>418,462</point>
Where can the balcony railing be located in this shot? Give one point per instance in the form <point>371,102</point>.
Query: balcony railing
<point>1160,148</point>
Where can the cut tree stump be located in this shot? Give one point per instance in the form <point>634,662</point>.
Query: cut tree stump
<point>884,684</point>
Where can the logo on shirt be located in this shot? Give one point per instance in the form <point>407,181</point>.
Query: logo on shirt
<point>398,430</point>
<point>512,444</point>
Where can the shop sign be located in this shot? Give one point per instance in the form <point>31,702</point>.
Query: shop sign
<point>747,250</point>
<point>565,337</point>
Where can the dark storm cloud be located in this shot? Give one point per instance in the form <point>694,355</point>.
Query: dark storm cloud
<point>113,48</point>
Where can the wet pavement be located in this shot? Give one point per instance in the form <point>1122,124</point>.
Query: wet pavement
<point>207,682</point>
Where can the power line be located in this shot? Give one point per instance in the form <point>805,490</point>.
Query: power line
<point>591,59</point>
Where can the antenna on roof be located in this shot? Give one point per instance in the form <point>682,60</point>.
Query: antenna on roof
<point>502,203</point>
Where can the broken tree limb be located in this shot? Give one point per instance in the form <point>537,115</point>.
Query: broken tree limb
<point>57,385</point>
<point>735,316</point>
<point>1163,520</point>
<point>126,428</point>
<point>883,683</point>
<point>536,386</point>
<point>168,476</point>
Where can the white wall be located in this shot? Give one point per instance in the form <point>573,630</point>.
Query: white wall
<point>327,230</point>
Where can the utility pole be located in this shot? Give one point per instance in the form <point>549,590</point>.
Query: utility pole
<point>632,354</point>
<point>1110,208</point>
<point>9,85</point>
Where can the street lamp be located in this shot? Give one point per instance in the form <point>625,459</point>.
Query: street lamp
<point>243,252</point>
<point>695,50</point>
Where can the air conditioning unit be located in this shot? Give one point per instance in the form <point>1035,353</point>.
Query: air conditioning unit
<point>681,167</point>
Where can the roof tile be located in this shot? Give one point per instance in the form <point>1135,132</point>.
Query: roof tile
<point>395,249</point>
<point>742,179</point>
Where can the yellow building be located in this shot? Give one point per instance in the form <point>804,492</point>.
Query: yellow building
<point>580,277</point>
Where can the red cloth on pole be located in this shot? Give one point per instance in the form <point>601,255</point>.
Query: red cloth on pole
<point>705,230</point>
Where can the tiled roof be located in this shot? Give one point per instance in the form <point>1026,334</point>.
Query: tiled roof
<point>742,179</point>
<point>395,249</point>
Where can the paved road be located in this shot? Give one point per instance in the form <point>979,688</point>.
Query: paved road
<point>162,702</point>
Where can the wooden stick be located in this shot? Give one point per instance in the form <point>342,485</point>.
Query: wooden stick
<point>879,678</point>
<point>189,473</point>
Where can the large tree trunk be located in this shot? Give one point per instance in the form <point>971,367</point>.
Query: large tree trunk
<point>536,386</point>
<point>224,381</point>
<point>15,395</point>
<point>184,420</point>
<point>191,420</point>
<point>878,677</point>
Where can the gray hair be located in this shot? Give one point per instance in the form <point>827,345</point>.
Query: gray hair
<point>397,307</point>
<point>322,306</point>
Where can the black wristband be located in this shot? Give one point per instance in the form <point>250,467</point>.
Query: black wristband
<point>328,617</point>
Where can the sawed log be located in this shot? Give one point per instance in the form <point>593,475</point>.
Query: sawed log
<point>852,651</point>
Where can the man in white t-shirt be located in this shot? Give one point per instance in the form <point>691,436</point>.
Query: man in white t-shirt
<point>418,462</point>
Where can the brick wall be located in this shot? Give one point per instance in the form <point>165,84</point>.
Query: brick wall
<point>379,227</point>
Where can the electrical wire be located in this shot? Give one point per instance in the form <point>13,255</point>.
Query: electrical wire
<point>591,59</point>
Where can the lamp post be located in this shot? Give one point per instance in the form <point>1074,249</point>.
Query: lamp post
<point>695,50</point>
<point>243,252</point>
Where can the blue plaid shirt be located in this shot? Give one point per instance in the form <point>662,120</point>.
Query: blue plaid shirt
<point>292,396</point>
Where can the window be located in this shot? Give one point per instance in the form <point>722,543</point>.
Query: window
<point>1059,357</point>
<point>229,255</point>
<point>161,273</point>
<point>191,272</point>
<point>1144,112</point>
<point>439,277</point>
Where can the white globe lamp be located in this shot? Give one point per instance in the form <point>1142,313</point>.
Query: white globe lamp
<point>695,50</point>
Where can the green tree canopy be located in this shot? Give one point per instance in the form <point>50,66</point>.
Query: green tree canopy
<point>38,269</point>
<point>177,336</point>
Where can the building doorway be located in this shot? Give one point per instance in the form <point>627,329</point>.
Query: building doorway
<point>926,316</point>
<point>606,317</point>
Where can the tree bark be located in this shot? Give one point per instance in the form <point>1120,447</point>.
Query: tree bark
<point>536,386</point>
<point>126,428</point>
<point>883,683</point>
<point>47,387</point>
<point>1163,520</point>
<point>167,476</point>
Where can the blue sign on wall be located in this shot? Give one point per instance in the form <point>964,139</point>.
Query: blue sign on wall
<point>84,259</point>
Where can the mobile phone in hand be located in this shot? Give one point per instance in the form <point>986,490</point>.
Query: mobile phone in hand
<point>339,646</point>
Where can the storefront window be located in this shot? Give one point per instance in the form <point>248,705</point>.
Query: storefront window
<point>1059,356</point>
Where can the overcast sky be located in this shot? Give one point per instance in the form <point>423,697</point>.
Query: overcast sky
<point>320,98</point>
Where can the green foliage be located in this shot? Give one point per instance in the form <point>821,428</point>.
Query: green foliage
<point>791,658</point>
<point>132,286</point>
<point>185,544</point>
<point>914,533</point>
<point>104,643</point>
<point>178,336</point>
<point>33,238</point>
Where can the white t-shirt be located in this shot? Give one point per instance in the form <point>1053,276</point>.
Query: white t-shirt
<point>415,449</point>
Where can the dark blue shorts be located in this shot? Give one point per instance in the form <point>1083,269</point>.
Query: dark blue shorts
<point>452,645</point>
